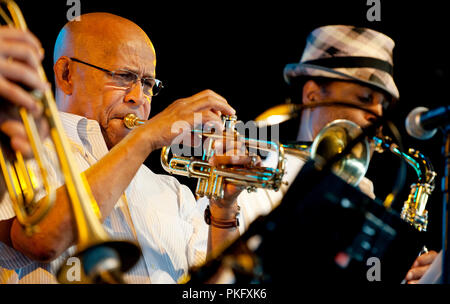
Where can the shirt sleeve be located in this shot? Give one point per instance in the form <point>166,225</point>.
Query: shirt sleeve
<point>190,212</point>
<point>6,209</point>
<point>12,259</point>
<point>198,242</point>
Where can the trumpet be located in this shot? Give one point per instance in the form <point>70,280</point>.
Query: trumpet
<point>331,140</point>
<point>212,178</point>
<point>103,259</point>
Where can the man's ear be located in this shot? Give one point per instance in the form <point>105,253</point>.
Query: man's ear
<point>311,92</point>
<point>63,75</point>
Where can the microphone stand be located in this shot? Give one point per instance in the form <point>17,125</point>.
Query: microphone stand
<point>445,200</point>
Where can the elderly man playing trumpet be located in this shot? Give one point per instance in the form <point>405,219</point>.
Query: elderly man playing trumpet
<point>104,69</point>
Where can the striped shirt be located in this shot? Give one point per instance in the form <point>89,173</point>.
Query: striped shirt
<point>156,211</point>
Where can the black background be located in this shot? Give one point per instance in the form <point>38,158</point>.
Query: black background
<point>239,50</point>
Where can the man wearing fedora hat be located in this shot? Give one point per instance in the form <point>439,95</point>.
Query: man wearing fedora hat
<point>343,63</point>
<point>339,64</point>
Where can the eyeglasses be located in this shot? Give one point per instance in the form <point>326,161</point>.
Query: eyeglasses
<point>126,79</point>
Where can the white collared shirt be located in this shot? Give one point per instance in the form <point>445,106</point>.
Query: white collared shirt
<point>158,213</point>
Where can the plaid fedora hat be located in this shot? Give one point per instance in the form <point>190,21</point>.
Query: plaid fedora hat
<point>348,53</point>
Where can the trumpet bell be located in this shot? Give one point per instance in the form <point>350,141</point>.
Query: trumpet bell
<point>332,140</point>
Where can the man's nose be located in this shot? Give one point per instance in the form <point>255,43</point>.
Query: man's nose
<point>375,110</point>
<point>136,95</point>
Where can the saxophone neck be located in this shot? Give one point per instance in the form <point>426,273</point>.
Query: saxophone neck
<point>419,162</point>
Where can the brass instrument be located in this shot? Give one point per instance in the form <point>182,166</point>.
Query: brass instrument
<point>103,259</point>
<point>243,259</point>
<point>211,178</point>
<point>330,141</point>
<point>414,208</point>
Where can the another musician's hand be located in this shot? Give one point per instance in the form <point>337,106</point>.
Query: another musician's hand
<point>420,266</point>
<point>20,57</point>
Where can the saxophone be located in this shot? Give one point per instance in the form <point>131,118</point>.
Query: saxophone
<point>414,208</point>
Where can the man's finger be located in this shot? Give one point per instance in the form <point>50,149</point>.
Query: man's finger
<point>229,147</point>
<point>212,123</point>
<point>10,33</point>
<point>13,128</point>
<point>426,258</point>
<point>210,100</point>
<point>43,128</point>
<point>19,141</point>
<point>416,273</point>
<point>230,160</point>
<point>208,93</point>
<point>20,51</point>
<point>18,96</point>
<point>215,105</point>
<point>18,72</point>
<point>22,145</point>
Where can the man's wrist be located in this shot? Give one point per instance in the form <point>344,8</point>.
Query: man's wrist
<point>149,137</point>
<point>220,222</point>
<point>221,210</point>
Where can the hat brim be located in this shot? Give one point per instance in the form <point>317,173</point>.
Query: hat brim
<point>295,70</point>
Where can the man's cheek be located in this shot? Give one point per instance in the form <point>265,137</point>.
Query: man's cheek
<point>147,110</point>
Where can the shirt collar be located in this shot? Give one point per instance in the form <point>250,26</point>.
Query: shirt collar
<point>83,132</point>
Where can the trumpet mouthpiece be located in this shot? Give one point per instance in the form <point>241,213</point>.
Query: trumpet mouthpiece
<point>130,121</point>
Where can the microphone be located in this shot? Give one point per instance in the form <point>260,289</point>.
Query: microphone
<point>422,123</point>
